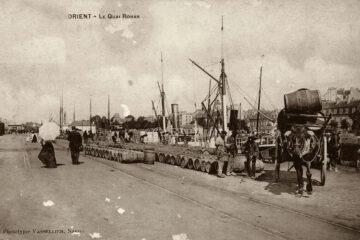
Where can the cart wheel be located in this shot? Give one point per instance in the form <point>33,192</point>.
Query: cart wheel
<point>323,173</point>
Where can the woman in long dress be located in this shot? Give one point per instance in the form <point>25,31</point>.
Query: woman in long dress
<point>47,154</point>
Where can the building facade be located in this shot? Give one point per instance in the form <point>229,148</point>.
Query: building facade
<point>266,125</point>
<point>341,109</point>
<point>341,103</point>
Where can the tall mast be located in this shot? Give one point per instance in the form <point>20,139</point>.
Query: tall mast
<point>109,110</point>
<point>209,103</point>
<point>90,113</point>
<point>258,110</point>
<point>60,114</point>
<point>74,114</point>
<point>61,109</point>
<point>222,82</point>
<point>162,95</point>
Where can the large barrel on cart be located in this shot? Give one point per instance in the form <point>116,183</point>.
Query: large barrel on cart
<point>303,108</point>
<point>303,101</point>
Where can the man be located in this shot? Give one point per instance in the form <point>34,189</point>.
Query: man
<point>114,137</point>
<point>221,153</point>
<point>251,153</point>
<point>75,144</point>
<point>333,146</point>
<point>232,151</point>
<point>85,136</point>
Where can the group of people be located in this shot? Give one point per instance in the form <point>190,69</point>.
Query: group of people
<point>226,150</point>
<point>88,136</point>
<point>47,153</point>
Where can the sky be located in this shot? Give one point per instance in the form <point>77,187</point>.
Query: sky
<point>299,44</point>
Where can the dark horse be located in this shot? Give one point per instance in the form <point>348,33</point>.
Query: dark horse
<point>298,144</point>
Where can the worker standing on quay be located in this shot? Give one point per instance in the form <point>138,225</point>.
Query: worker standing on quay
<point>221,153</point>
<point>75,145</point>
<point>251,153</point>
<point>232,151</point>
<point>333,146</point>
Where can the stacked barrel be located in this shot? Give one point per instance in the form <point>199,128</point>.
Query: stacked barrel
<point>115,154</point>
<point>199,160</point>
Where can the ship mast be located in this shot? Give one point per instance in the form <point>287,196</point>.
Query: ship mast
<point>74,114</point>
<point>108,111</point>
<point>90,114</point>
<point>162,95</point>
<point>221,85</point>
<point>61,110</point>
<point>258,108</point>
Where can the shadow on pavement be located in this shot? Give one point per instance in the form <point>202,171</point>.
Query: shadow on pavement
<point>57,165</point>
<point>286,184</point>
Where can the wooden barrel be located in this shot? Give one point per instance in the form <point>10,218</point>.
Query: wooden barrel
<point>239,163</point>
<point>128,156</point>
<point>197,165</point>
<point>303,101</point>
<point>161,157</point>
<point>118,157</point>
<point>208,167</point>
<point>167,158</point>
<point>172,160</point>
<point>177,160</point>
<point>184,162</point>
<point>203,166</point>
<point>259,165</point>
<point>140,156</point>
<point>149,156</point>
<point>190,164</point>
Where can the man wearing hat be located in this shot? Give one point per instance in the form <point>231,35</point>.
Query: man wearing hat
<point>221,153</point>
<point>333,146</point>
<point>251,153</point>
<point>75,145</point>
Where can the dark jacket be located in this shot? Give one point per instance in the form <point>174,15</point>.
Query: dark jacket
<point>75,141</point>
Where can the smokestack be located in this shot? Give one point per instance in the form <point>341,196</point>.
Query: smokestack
<point>175,114</point>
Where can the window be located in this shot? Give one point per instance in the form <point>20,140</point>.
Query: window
<point>346,110</point>
<point>340,110</point>
<point>354,109</point>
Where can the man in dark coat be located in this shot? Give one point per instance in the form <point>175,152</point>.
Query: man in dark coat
<point>251,153</point>
<point>85,136</point>
<point>75,144</point>
<point>333,147</point>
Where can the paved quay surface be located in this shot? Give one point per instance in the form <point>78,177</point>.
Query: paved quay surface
<point>100,199</point>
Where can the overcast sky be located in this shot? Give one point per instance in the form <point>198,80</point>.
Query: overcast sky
<point>312,44</point>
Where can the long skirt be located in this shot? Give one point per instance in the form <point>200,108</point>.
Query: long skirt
<point>47,155</point>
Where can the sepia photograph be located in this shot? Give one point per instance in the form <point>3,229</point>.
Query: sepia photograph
<point>180,119</point>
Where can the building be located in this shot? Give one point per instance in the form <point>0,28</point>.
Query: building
<point>341,103</point>
<point>266,125</point>
<point>340,94</point>
<point>341,109</point>
<point>83,125</point>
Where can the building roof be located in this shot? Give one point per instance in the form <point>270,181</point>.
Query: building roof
<point>327,105</point>
<point>80,123</point>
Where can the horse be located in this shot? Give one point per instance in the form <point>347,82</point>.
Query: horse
<point>298,144</point>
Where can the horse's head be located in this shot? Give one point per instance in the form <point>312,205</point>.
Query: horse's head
<point>296,141</point>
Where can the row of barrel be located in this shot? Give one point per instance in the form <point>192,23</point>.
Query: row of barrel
<point>199,162</point>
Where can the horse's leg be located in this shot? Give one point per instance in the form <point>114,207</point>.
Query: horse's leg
<point>253,167</point>
<point>299,174</point>
<point>277,170</point>
<point>308,176</point>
